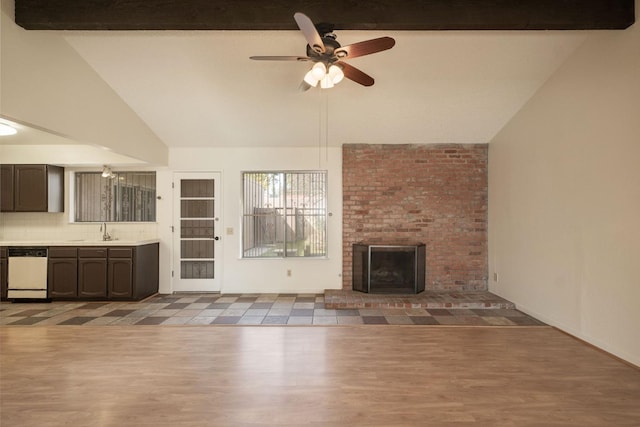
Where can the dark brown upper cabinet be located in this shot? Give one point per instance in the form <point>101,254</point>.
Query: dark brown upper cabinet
<point>32,188</point>
<point>6,188</point>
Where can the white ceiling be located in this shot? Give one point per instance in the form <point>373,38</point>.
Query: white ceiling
<point>33,145</point>
<point>30,135</point>
<point>198,89</point>
<point>201,89</point>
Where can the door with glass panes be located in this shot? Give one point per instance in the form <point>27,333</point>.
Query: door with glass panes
<point>197,245</point>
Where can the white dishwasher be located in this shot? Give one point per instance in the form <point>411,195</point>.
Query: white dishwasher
<point>27,273</point>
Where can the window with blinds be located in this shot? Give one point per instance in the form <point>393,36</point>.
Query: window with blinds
<point>125,197</point>
<point>284,214</point>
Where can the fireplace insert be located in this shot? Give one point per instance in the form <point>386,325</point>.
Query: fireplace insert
<point>389,269</point>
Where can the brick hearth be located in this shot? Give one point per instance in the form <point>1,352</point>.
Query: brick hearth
<point>347,299</point>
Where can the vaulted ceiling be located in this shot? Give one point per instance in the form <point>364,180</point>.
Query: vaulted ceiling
<point>199,88</point>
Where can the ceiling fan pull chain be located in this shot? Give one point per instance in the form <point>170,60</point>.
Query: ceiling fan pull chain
<point>319,129</point>
<point>326,127</point>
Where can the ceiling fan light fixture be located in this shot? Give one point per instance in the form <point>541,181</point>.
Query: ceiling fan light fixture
<point>319,70</point>
<point>326,82</point>
<point>336,74</point>
<point>310,79</point>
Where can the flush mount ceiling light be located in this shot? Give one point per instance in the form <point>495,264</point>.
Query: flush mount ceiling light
<point>328,55</point>
<point>107,172</point>
<point>6,130</point>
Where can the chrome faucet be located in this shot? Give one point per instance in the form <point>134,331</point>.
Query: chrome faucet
<point>105,235</point>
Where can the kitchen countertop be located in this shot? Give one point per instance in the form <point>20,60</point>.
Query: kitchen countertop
<point>79,242</point>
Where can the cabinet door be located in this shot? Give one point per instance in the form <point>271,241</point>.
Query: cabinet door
<point>30,188</point>
<point>63,277</point>
<point>120,277</point>
<point>92,277</point>
<point>3,277</point>
<point>6,188</point>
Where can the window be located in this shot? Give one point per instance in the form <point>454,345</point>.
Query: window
<point>284,214</point>
<point>125,197</point>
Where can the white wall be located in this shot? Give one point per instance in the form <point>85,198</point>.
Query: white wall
<point>564,198</point>
<point>239,276</point>
<point>254,275</point>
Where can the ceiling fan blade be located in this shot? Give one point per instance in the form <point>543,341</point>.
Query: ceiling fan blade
<point>280,58</point>
<point>310,33</point>
<point>365,48</point>
<point>352,73</point>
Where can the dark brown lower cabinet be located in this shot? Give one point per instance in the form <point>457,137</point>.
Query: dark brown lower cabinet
<point>103,273</point>
<point>4,268</point>
<point>120,275</point>
<point>92,272</point>
<point>62,275</point>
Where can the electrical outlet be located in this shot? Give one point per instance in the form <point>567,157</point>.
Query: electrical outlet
<point>229,231</point>
<point>495,277</point>
<point>288,273</point>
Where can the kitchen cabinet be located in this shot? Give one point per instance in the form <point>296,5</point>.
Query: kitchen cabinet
<point>4,268</point>
<point>103,273</point>
<point>62,276</point>
<point>120,275</point>
<point>92,272</point>
<point>145,270</point>
<point>133,271</point>
<point>32,188</point>
<point>6,188</point>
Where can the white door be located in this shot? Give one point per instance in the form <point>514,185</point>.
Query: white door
<point>197,247</point>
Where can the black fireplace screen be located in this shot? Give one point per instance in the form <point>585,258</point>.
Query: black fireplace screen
<point>389,269</point>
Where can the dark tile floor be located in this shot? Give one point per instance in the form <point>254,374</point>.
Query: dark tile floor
<point>246,309</point>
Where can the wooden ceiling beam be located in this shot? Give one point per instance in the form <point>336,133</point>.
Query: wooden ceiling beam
<point>345,14</point>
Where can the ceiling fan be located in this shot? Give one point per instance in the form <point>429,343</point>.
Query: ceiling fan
<point>328,55</point>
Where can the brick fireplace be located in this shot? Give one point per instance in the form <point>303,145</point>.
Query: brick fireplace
<point>436,194</point>
<point>388,269</point>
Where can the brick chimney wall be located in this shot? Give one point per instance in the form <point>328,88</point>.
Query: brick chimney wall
<point>432,194</point>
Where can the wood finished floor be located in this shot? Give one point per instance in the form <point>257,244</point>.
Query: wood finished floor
<point>315,376</point>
